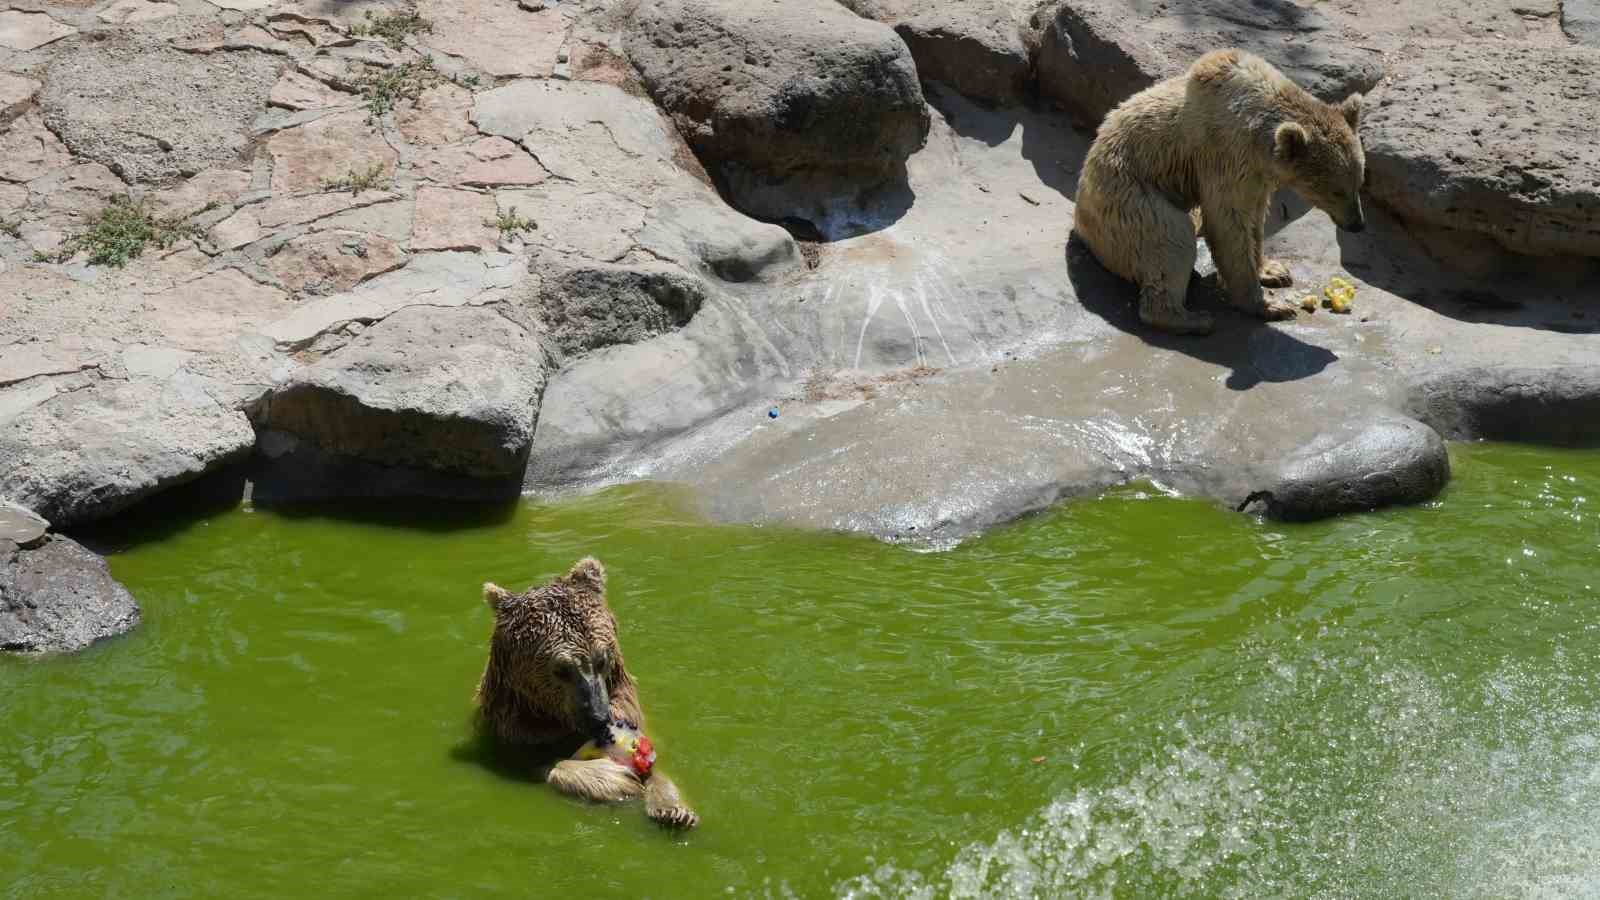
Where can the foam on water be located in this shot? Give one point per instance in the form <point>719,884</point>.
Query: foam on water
<point>1335,776</point>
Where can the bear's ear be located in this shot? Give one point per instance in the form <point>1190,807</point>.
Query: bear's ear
<point>589,570</point>
<point>495,595</point>
<point>1290,141</point>
<point>1351,110</point>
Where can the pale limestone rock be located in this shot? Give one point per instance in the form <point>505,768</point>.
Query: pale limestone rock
<point>494,36</point>
<point>329,261</point>
<point>440,116</point>
<point>449,219</point>
<point>308,157</point>
<point>27,30</point>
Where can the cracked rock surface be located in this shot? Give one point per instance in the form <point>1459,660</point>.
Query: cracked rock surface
<point>537,246</point>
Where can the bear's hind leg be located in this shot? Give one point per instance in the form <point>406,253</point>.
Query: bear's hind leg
<point>1164,264</point>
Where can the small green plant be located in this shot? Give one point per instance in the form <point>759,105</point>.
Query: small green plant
<point>11,228</point>
<point>511,224</point>
<point>384,88</point>
<point>467,81</point>
<point>392,29</point>
<point>120,232</point>
<point>374,178</point>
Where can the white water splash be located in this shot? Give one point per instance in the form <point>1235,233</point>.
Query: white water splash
<point>1350,777</point>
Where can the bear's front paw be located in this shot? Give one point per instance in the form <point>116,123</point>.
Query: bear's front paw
<point>1278,310</point>
<point>1275,274</point>
<point>680,817</point>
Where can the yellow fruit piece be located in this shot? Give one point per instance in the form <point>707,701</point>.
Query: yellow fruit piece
<point>1339,295</point>
<point>1309,303</point>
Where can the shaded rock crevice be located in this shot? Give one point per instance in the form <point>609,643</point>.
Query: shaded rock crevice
<point>1557,405</point>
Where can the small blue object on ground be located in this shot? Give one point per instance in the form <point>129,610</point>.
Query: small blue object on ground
<point>772,413</point>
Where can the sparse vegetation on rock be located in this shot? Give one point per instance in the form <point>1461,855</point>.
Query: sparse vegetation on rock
<point>512,223</point>
<point>373,178</point>
<point>392,29</point>
<point>385,88</point>
<point>121,232</point>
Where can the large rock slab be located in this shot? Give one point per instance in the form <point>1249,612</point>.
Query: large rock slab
<point>1554,404</point>
<point>1094,54</point>
<point>58,598</point>
<point>151,112</point>
<point>787,104</point>
<point>21,30</point>
<point>499,38</point>
<point>453,390</point>
<point>976,48</point>
<point>1492,139</point>
<point>76,448</point>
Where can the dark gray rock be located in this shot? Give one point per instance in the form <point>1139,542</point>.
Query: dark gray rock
<point>596,305</point>
<point>1358,467</point>
<point>1094,54</point>
<point>788,104</point>
<point>1559,405</point>
<point>58,597</point>
<point>150,112</point>
<point>440,389</point>
<point>1492,139</point>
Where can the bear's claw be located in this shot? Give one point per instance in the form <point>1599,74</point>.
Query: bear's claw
<point>1278,310</point>
<point>675,817</point>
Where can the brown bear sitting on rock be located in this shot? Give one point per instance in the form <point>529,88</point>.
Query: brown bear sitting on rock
<point>1219,138</point>
<point>555,681</point>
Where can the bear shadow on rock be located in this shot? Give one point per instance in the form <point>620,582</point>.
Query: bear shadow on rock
<point>1254,350</point>
<point>1470,278</point>
<point>1049,142</point>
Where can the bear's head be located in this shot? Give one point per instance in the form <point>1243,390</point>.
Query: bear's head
<point>556,647</point>
<point>1319,155</point>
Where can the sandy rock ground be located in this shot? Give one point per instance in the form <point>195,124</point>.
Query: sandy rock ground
<point>464,249</point>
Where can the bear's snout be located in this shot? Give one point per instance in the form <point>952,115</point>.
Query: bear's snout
<point>1354,227</point>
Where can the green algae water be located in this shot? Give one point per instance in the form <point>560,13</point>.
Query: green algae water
<point>1132,696</point>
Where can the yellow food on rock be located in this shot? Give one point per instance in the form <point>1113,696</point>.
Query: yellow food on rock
<point>1309,303</point>
<point>1339,295</point>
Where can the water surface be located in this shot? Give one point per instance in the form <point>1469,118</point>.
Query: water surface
<point>1131,696</point>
